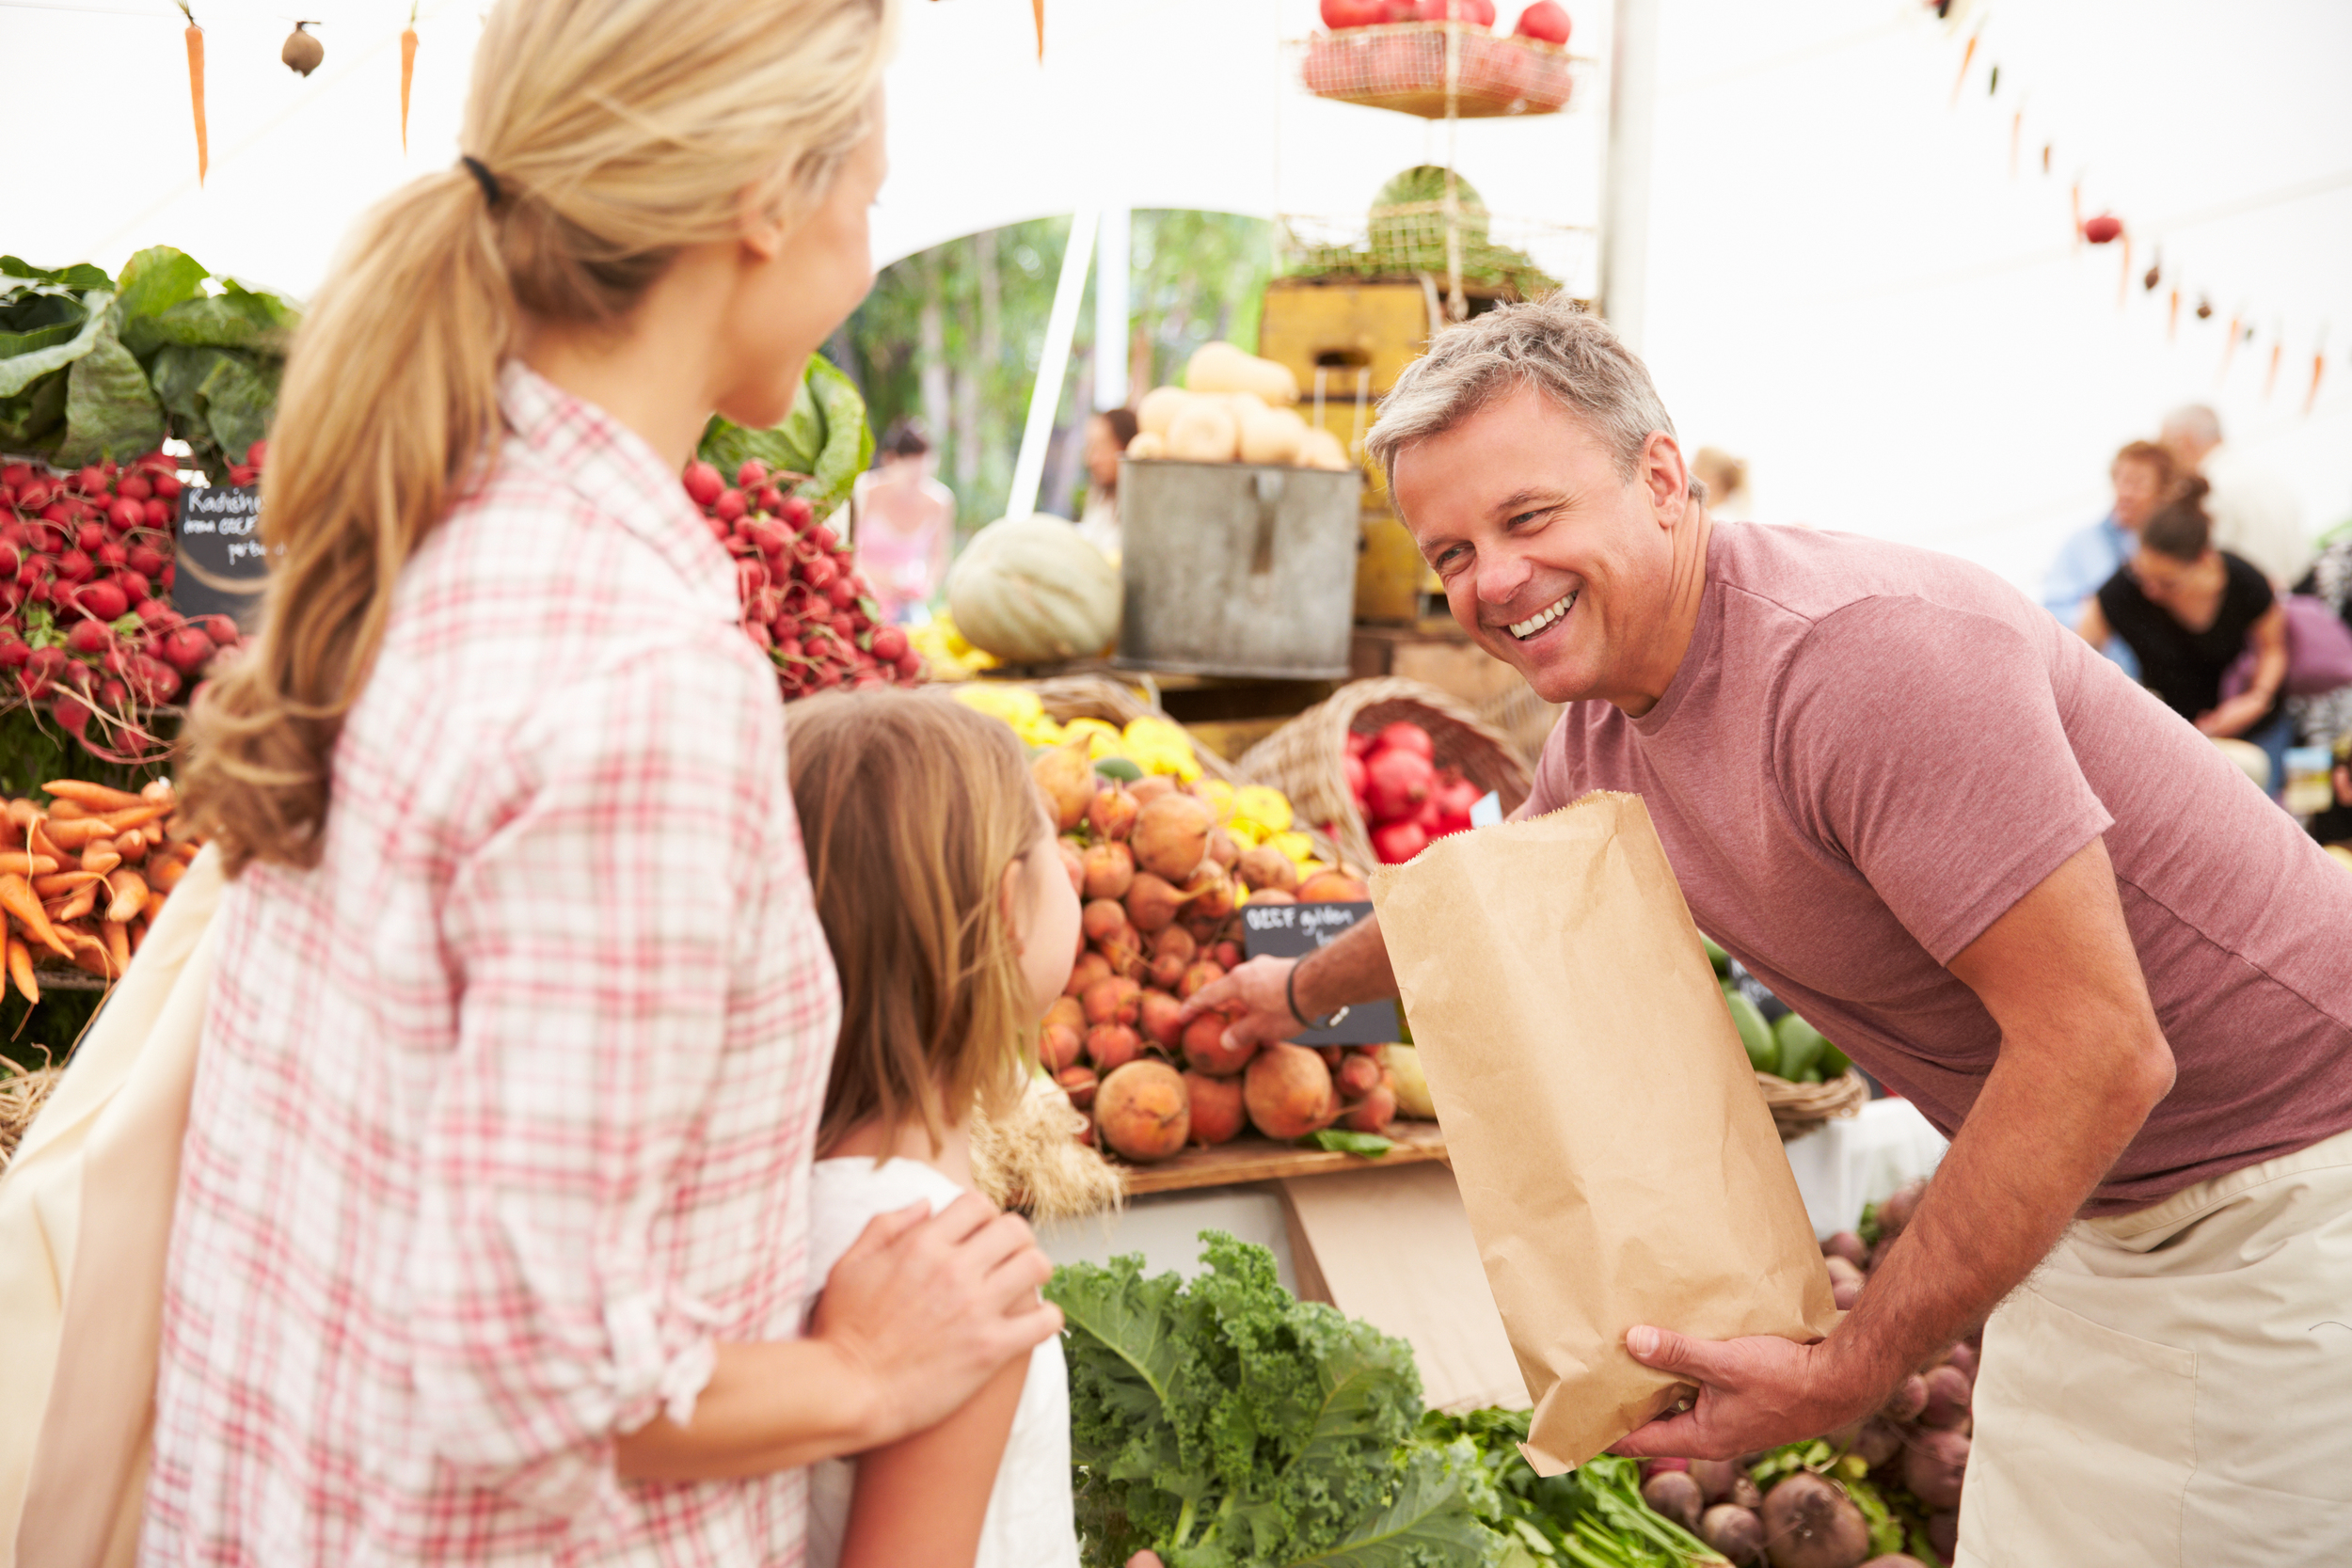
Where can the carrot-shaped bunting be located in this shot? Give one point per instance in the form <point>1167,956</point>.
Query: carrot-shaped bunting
<point>195,36</point>
<point>1037,7</point>
<point>408,71</point>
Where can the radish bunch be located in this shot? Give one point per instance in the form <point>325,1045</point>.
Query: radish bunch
<point>804,601</point>
<point>86,628</point>
<point>1406,800</point>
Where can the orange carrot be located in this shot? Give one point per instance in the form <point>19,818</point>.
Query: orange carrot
<point>132,846</point>
<point>100,857</point>
<point>130,896</point>
<point>66,811</point>
<point>167,874</point>
<point>74,905</point>
<point>407,73</point>
<point>25,864</point>
<point>195,36</point>
<point>63,883</point>
<point>118,945</point>
<point>130,818</point>
<point>91,797</point>
<point>21,970</point>
<point>16,896</point>
<point>156,789</point>
<point>91,959</point>
<point>76,835</point>
<point>40,846</point>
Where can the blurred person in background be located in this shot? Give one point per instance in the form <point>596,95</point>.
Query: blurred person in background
<point>2143,475</point>
<point>1108,434</point>
<point>2326,718</point>
<point>2188,609</point>
<point>1727,481</point>
<point>905,525</point>
<point>2255,516</point>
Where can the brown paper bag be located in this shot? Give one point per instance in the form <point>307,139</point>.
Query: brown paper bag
<point>1617,1163</point>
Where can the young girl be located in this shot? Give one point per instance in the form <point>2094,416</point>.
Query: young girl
<point>954,925</point>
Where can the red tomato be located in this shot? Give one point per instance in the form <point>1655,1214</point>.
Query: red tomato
<point>1544,20</point>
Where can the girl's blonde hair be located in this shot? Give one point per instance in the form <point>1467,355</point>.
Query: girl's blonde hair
<point>615,132</point>
<point>912,807</point>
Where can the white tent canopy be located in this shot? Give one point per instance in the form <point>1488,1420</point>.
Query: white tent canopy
<point>1847,286</point>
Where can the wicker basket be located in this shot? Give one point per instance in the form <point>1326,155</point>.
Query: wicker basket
<point>1306,758</point>
<point>1402,66</point>
<point>1799,1108</point>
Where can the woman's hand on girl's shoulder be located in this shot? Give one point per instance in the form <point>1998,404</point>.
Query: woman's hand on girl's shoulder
<point>929,1306</point>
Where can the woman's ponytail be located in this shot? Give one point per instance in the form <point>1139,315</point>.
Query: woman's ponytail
<point>603,137</point>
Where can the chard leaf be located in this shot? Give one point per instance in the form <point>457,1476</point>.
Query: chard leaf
<point>39,316</point>
<point>825,438</point>
<point>109,408</point>
<point>220,401</point>
<point>1338,1140</point>
<point>81,274</point>
<point>34,419</point>
<point>240,319</point>
<point>156,280</point>
<point>21,370</point>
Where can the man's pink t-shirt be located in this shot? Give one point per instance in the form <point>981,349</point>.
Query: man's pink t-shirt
<point>1871,752</point>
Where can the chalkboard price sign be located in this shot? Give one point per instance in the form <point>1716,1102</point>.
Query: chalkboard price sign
<point>221,564</point>
<point>1295,930</point>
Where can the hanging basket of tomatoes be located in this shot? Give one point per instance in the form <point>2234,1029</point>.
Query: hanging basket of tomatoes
<point>1393,55</point>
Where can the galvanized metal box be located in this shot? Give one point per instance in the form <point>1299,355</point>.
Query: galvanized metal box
<point>1238,569</point>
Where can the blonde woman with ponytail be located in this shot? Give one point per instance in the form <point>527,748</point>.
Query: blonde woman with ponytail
<point>491,1236</point>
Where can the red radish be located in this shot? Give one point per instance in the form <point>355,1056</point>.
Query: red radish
<point>146,559</point>
<point>90,537</point>
<point>221,630</point>
<point>702,482</point>
<point>257,453</point>
<point>136,486</point>
<point>73,567</point>
<point>103,601</point>
<point>730,505</point>
<point>890,644</point>
<point>769,499</point>
<point>1396,781</point>
<point>1405,736</point>
<point>91,481</point>
<point>126,513</point>
<point>1543,20</point>
<point>751,475</point>
<point>242,475</point>
<point>797,513</point>
<point>157,513</point>
<point>133,586</point>
<point>88,636</point>
<point>188,650</point>
<point>1337,15</point>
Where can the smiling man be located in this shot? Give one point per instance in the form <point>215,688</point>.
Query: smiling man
<point>2002,878</point>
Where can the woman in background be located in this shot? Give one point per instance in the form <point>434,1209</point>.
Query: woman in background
<point>2187,611</point>
<point>903,525</point>
<point>1108,434</point>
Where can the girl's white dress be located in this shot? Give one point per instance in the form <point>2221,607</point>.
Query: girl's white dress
<point>1029,1522</point>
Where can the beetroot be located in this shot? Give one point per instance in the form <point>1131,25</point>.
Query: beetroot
<point>1288,1091</point>
<point>1373,1113</point>
<point>1898,1559</point>
<point>1809,1523</point>
<point>1715,1477</point>
<point>1218,1115</point>
<point>1111,999</point>
<point>1144,1110</point>
<point>1107,871</point>
<point>1058,1047</point>
<point>1895,1211</point>
<point>1198,977</point>
<point>1170,837</point>
<point>1947,1399</point>
<point>1943,1534</point>
<point>1848,1245</point>
<point>1735,1532</point>
<point>1161,1018</point>
<point>1358,1076</point>
<point>1879,1441</point>
<point>1933,1465</point>
<point>1112,1046</point>
<point>1909,1398</point>
<point>1675,1494</point>
<point>1112,814</point>
<point>1079,1084</point>
<point>1205,1051</point>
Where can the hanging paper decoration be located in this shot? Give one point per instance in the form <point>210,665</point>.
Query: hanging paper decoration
<point>195,36</point>
<point>2016,129</point>
<point>407,73</point>
<point>2123,279</point>
<point>2319,363</point>
<point>2045,157</point>
<point>1037,9</point>
<point>1958,81</point>
<point>2104,229</point>
<point>2172,319</point>
<point>2155,271</point>
<point>2270,377</point>
<point>2204,310</point>
<point>302,52</point>
<point>1994,85</point>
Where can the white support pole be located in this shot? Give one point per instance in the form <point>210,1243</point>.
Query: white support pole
<point>1052,364</point>
<point>1624,196</point>
<point>1110,310</point>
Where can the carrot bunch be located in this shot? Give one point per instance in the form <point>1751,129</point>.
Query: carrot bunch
<point>84,875</point>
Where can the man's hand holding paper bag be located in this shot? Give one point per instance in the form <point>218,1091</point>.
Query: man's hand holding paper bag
<point>1619,1168</point>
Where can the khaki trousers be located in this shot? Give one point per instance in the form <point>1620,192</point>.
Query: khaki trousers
<point>2174,1388</point>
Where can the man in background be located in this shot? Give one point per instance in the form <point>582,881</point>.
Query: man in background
<point>2142,474</point>
<point>2255,516</point>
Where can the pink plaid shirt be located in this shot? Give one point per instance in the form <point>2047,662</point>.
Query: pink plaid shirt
<point>505,1112</point>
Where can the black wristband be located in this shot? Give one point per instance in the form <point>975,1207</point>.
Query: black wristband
<point>1290,994</point>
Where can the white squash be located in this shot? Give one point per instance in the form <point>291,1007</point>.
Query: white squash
<point>1272,435</point>
<point>1222,367</point>
<point>1158,409</point>
<point>1146,445</point>
<point>1204,431</point>
<point>1320,450</point>
<point>1031,589</point>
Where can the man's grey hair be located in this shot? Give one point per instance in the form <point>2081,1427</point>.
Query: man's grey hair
<point>1553,345</point>
<point>2197,421</point>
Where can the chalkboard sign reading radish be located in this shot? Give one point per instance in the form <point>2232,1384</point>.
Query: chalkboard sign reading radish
<point>221,564</point>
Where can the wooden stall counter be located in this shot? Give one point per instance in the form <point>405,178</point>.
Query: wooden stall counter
<point>1254,1159</point>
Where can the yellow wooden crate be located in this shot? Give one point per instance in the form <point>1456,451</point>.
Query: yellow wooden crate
<point>1388,572</point>
<point>1341,325</point>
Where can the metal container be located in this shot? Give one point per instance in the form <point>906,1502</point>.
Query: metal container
<point>1238,569</point>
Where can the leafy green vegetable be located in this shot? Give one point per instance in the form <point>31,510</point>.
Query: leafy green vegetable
<point>1338,1140</point>
<point>220,401</point>
<point>81,274</point>
<point>1593,1517</point>
<point>825,438</point>
<point>156,280</point>
<point>20,371</point>
<point>110,411</point>
<point>1223,1422</point>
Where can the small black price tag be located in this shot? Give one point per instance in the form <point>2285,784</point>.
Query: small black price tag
<point>220,565</point>
<point>1295,930</point>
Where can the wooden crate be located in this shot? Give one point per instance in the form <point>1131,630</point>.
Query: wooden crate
<point>1341,325</point>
